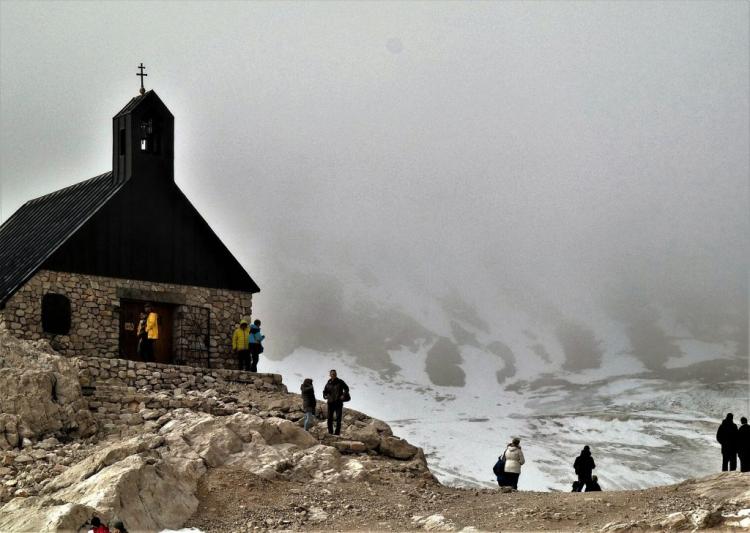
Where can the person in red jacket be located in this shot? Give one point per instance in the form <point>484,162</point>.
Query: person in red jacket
<point>97,526</point>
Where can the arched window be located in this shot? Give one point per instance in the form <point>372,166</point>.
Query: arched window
<point>55,314</point>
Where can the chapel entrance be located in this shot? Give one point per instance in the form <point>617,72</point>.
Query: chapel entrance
<point>130,311</point>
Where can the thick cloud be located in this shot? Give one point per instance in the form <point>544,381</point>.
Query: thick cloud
<point>566,160</point>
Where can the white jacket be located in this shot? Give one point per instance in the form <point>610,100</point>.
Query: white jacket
<point>513,459</point>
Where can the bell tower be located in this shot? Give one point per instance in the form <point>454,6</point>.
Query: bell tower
<point>143,138</point>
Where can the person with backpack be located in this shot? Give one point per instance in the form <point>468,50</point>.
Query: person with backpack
<point>336,392</point>
<point>499,469</point>
<point>727,436</point>
<point>255,343</point>
<point>308,401</point>
<point>514,459</point>
<point>584,466</point>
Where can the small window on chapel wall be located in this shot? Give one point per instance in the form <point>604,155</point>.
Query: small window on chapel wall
<point>55,314</point>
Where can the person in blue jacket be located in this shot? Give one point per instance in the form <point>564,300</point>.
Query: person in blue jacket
<point>255,344</point>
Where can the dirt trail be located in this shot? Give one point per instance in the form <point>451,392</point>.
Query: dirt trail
<point>233,501</point>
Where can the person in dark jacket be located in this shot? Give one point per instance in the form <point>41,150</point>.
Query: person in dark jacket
<point>743,445</point>
<point>727,437</point>
<point>584,465</point>
<point>142,337</point>
<point>255,344</point>
<point>119,527</point>
<point>594,485</point>
<point>335,391</point>
<point>308,401</point>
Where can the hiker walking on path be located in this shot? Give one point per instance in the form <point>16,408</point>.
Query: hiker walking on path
<point>336,392</point>
<point>308,401</point>
<point>256,345</point>
<point>513,461</point>
<point>743,445</point>
<point>727,437</point>
<point>240,345</point>
<point>584,466</point>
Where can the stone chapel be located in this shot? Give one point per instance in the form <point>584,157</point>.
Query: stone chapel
<point>78,265</point>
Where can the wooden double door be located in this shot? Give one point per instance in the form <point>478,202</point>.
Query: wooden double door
<point>130,312</point>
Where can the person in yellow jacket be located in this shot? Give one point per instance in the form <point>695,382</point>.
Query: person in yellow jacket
<point>152,333</point>
<point>240,340</point>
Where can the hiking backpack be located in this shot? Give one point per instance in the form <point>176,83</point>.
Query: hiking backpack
<point>499,468</point>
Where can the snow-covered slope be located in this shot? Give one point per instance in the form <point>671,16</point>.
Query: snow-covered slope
<point>643,432</point>
<point>642,380</point>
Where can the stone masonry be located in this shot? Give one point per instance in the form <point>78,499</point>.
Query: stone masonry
<point>95,313</point>
<point>130,393</point>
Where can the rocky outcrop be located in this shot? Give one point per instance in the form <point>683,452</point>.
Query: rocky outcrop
<point>41,395</point>
<point>137,445</point>
<point>149,481</point>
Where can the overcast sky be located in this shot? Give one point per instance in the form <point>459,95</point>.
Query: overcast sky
<point>585,149</point>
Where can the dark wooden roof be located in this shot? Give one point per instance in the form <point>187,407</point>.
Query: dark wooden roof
<point>34,232</point>
<point>130,106</point>
<point>133,223</point>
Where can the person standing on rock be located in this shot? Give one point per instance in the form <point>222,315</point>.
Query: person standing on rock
<point>727,437</point>
<point>152,333</point>
<point>743,445</point>
<point>240,345</point>
<point>336,392</point>
<point>256,345</point>
<point>308,401</point>
<point>513,460</point>
<point>584,466</point>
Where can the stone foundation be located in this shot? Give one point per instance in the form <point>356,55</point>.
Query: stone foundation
<point>97,371</point>
<point>203,319</point>
<point>128,393</point>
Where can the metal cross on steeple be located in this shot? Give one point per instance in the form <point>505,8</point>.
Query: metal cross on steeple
<point>141,74</point>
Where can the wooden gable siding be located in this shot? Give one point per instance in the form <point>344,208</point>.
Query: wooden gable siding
<point>149,231</point>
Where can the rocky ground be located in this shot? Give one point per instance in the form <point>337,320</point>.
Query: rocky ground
<point>234,458</point>
<point>235,501</point>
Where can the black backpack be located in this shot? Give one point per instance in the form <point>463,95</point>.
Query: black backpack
<point>499,468</point>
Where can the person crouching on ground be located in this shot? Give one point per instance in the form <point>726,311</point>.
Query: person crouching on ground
<point>256,345</point>
<point>593,486</point>
<point>335,391</point>
<point>119,527</point>
<point>513,461</point>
